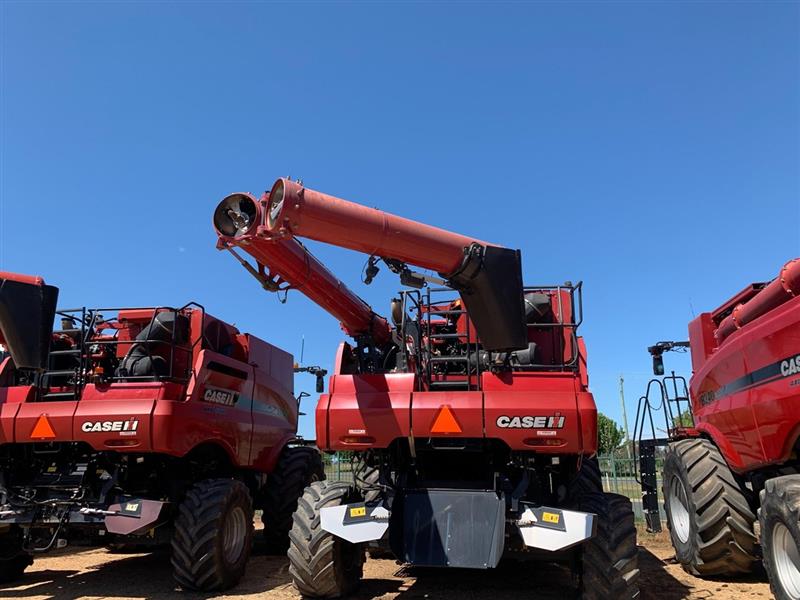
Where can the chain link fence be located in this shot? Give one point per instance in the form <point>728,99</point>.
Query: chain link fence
<point>619,476</point>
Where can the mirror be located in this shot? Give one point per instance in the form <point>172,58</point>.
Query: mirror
<point>320,383</point>
<point>397,311</point>
<point>658,364</point>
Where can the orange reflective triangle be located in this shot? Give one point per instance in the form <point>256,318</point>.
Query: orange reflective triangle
<point>43,429</point>
<point>445,422</point>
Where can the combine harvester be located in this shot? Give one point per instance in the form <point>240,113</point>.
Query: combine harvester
<point>470,417</point>
<point>143,426</point>
<point>732,441</point>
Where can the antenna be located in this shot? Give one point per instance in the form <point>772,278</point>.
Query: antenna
<point>302,347</point>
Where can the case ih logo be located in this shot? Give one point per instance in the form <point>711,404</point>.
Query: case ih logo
<point>790,366</point>
<point>128,427</point>
<point>216,396</point>
<point>530,422</point>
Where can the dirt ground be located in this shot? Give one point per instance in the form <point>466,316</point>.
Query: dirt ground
<point>97,573</point>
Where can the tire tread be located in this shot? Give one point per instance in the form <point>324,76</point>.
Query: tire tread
<point>725,543</point>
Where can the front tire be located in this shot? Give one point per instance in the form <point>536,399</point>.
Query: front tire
<point>213,535</point>
<point>610,559</point>
<point>779,517</point>
<point>297,468</point>
<point>321,564</point>
<point>709,513</point>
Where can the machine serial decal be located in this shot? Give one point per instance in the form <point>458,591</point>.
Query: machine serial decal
<point>777,370</point>
<point>220,396</point>
<point>531,422</point>
<point>127,427</point>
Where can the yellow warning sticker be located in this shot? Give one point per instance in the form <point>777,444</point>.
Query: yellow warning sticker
<point>358,511</point>
<point>550,517</point>
<point>132,506</point>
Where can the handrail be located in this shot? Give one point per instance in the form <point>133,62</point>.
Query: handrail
<point>92,322</point>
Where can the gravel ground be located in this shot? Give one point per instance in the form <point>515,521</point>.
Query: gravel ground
<point>98,573</point>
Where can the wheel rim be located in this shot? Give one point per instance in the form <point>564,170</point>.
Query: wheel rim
<point>787,560</point>
<point>679,509</point>
<point>234,535</point>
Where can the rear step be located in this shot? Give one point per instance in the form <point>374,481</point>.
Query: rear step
<point>73,352</point>
<point>61,372</point>
<point>58,395</point>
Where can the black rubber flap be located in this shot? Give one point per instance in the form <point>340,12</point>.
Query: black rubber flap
<point>449,528</point>
<point>27,311</point>
<point>492,295</point>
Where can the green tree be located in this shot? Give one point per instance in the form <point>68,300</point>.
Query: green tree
<point>610,434</point>
<point>684,419</point>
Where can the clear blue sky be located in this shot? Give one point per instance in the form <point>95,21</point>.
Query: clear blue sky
<point>651,150</point>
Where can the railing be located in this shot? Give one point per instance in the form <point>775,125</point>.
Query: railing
<point>575,293</point>
<point>471,376</point>
<point>86,327</point>
<point>668,397</point>
<point>462,369</point>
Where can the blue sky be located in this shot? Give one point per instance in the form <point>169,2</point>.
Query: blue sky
<point>650,149</point>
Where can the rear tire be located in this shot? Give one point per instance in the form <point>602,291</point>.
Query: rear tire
<point>297,468</point>
<point>709,513</point>
<point>367,482</point>
<point>321,564</point>
<point>611,558</point>
<point>588,480</point>
<point>779,517</point>
<point>213,535</point>
<point>13,559</point>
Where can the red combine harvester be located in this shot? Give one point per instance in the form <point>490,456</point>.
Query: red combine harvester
<point>143,426</point>
<point>732,443</point>
<point>470,417</point>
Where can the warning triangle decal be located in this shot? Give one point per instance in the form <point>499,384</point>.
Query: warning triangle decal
<point>445,422</point>
<point>43,429</point>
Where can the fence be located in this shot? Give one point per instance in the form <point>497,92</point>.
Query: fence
<point>619,476</point>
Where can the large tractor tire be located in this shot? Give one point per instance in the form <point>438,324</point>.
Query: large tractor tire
<point>13,559</point>
<point>321,564</point>
<point>297,469</point>
<point>588,480</point>
<point>709,512</point>
<point>610,565</point>
<point>368,488</point>
<point>213,535</point>
<point>779,517</point>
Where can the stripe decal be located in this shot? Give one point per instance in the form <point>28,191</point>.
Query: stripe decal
<point>762,376</point>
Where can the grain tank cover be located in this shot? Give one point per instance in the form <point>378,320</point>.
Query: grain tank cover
<point>27,310</point>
